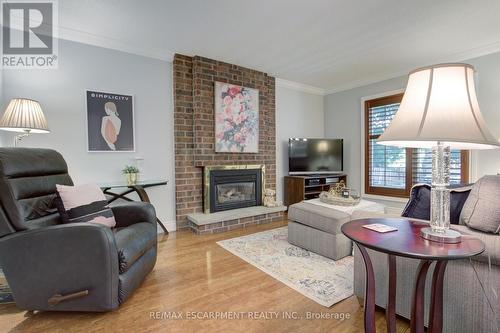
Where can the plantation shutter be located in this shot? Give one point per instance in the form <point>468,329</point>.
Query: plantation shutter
<point>422,166</point>
<point>391,171</point>
<point>386,165</point>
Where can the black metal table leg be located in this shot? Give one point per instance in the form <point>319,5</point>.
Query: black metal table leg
<point>143,196</point>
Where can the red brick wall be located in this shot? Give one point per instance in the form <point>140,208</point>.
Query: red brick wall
<point>194,82</point>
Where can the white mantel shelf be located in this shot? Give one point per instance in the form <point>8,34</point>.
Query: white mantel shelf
<point>234,214</point>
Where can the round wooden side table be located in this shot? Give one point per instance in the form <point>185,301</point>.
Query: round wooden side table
<point>407,242</point>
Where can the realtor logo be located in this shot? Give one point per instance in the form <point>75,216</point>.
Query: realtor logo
<point>28,34</point>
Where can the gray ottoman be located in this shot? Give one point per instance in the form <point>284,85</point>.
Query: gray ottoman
<point>317,229</point>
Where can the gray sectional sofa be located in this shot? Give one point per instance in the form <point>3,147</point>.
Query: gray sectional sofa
<point>471,286</point>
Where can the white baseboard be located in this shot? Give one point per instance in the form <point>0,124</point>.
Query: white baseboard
<point>170,225</point>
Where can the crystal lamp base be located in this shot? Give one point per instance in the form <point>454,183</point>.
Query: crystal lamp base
<point>439,230</point>
<point>449,236</point>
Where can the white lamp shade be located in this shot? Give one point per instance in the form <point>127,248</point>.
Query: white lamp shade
<point>24,115</point>
<point>440,105</point>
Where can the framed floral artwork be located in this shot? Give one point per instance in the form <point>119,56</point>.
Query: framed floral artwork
<point>236,119</point>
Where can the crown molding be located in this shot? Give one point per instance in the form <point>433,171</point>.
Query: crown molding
<point>300,87</point>
<point>113,44</point>
<point>364,82</point>
<point>457,57</point>
<point>168,55</point>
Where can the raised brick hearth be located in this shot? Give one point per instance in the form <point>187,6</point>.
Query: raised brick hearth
<point>194,79</point>
<point>229,220</point>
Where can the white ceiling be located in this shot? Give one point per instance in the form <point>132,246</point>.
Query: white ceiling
<point>330,44</point>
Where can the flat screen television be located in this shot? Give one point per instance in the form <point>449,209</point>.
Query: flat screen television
<point>315,156</point>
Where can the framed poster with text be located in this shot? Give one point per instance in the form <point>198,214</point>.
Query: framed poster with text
<point>110,122</point>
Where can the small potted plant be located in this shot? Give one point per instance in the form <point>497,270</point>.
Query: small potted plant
<point>130,173</point>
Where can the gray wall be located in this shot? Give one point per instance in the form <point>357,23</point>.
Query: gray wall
<point>61,93</point>
<point>298,114</point>
<point>343,116</point>
<point>485,162</point>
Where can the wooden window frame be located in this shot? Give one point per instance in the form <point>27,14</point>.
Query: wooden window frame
<point>393,192</point>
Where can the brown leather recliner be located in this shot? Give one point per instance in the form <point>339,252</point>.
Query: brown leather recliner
<point>66,267</point>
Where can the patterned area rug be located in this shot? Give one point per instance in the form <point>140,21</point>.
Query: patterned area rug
<point>323,280</point>
<point>5,293</point>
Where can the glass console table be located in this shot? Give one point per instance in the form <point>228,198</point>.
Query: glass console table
<point>139,188</point>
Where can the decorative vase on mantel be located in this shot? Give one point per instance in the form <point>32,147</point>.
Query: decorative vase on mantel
<point>130,173</point>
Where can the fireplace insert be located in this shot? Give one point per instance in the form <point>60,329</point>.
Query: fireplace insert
<point>232,188</point>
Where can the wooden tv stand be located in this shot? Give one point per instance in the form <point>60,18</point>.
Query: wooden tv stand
<point>298,188</point>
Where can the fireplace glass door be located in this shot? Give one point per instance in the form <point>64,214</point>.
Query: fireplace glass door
<point>235,192</point>
<point>232,189</point>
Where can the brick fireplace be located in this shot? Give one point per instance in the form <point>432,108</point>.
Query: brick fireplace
<point>194,81</point>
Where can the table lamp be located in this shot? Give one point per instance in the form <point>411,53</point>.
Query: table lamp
<point>24,115</point>
<point>440,110</point>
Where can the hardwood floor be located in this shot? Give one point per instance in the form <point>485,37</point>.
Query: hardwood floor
<point>192,275</point>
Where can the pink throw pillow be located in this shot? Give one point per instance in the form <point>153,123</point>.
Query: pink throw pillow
<point>84,203</point>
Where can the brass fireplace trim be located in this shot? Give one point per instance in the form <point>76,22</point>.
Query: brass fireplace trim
<point>206,179</point>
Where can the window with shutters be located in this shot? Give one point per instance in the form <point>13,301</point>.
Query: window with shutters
<point>392,171</point>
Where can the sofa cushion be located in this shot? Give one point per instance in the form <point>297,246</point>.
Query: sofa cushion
<point>491,242</point>
<point>132,242</point>
<point>322,218</point>
<point>84,203</point>
<point>419,205</point>
<point>482,210</point>
<point>360,214</point>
